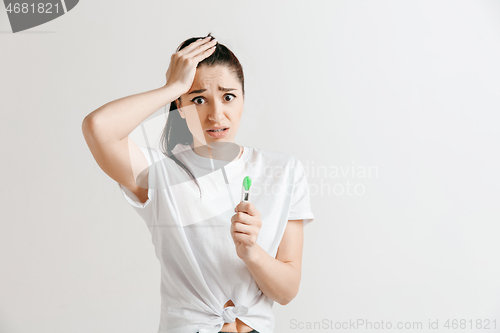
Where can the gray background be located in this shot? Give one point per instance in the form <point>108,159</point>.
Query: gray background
<point>410,87</point>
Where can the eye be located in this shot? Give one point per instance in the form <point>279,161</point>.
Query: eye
<point>195,99</point>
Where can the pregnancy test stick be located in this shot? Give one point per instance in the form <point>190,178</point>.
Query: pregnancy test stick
<point>245,190</point>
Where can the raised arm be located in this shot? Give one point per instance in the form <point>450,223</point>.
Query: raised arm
<point>107,128</point>
<point>106,132</point>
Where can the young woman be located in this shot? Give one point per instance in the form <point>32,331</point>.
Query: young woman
<point>224,261</point>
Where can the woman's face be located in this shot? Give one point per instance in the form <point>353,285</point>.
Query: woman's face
<point>214,100</point>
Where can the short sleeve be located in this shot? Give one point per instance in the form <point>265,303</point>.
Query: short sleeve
<point>130,196</point>
<point>300,206</point>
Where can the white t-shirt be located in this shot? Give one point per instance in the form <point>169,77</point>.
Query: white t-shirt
<point>200,270</point>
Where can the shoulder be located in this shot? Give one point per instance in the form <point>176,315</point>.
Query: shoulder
<point>275,159</point>
<point>286,163</point>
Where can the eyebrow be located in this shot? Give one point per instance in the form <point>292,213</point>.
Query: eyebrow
<point>202,90</point>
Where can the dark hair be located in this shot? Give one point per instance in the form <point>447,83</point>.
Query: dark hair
<point>176,130</point>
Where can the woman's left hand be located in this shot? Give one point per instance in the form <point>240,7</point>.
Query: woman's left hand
<point>245,228</point>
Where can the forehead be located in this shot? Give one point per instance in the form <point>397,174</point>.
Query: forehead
<point>212,76</point>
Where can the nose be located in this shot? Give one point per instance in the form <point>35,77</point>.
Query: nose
<point>216,113</point>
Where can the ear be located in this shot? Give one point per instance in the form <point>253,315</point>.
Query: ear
<point>181,112</point>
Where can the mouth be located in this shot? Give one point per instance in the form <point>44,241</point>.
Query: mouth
<point>217,132</point>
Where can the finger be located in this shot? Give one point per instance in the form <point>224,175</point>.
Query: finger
<point>242,228</point>
<point>242,218</point>
<point>241,207</point>
<point>200,47</point>
<point>247,207</point>
<point>193,45</point>
<point>244,239</point>
<point>202,50</point>
<point>204,55</point>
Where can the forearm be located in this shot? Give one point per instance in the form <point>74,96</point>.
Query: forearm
<point>278,280</point>
<point>117,119</point>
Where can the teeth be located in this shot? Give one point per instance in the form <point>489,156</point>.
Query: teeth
<point>219,130</point>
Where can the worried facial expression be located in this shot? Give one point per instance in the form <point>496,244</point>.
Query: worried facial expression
<point>215,100</point>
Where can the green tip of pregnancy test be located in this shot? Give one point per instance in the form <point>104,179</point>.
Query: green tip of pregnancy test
<point>247,182</point>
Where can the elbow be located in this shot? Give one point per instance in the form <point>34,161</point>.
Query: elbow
<point>292,291</point>
<point>92,127</point>
<point>288,298</point>
<point>88,123</point>
<point>89,130</point>
<point>285,301</point>
<point>86,127</point>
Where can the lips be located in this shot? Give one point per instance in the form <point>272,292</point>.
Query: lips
<point>217,128</point>
<point>218,134</point>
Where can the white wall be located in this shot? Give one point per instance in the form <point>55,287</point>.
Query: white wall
<point>409,88</point>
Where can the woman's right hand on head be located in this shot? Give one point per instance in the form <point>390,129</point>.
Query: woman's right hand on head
<point>182,68</point>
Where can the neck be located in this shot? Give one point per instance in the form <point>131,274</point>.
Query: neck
<point>225,151</point>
